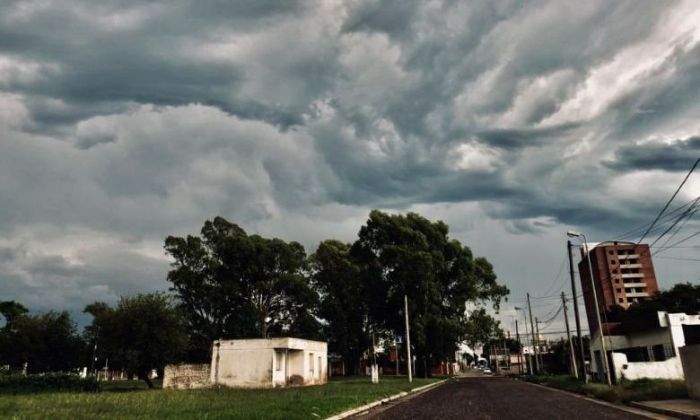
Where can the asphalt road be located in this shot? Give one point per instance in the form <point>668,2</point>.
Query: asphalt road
<point>495,398</point>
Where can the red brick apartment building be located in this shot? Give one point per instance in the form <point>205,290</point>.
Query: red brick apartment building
<point>623,273</point>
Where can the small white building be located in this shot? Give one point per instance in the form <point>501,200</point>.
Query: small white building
<point>648,352</point>
<point>269,362</point>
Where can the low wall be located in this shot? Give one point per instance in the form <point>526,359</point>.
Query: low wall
<point>690,356</point>
<point>668,369</point>
<point>186,376</point>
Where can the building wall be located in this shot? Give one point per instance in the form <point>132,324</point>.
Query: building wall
<point>690,358</point>
<point>186,376</point>
<point>256,363</point>
<point>668,369</point>
<point>623,273</point>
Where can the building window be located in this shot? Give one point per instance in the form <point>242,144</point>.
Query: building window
<point>619,290</point>
<point>621,300</point>
<point>319,366</point>
<point>311,363</point>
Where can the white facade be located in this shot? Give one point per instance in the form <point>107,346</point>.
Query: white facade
<point>266,363</point>
<point>661,344</point>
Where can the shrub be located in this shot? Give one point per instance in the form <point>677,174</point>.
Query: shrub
<point>20,384</point>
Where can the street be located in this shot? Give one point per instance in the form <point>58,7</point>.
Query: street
<point>495,398</point>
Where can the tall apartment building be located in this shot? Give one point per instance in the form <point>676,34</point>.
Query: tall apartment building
<point>623,273</point>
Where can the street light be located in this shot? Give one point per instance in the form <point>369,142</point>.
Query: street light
<point>527,334</point>
<point>572,234</point>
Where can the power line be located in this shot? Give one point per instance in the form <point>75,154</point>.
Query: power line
<point>669,201</point>
<point>639,229</point>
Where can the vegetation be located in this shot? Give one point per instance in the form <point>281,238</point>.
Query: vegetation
<point>50,382</point>
<point>626,391</point>
<point>286,403</point>
<point>43,343</point>
<point>141,333</point>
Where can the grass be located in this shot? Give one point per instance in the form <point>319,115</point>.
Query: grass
<point>287,403</point>
<point>638,390</point>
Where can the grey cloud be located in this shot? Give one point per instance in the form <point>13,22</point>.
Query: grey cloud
<point>677,156</point>
<point>517,138</point>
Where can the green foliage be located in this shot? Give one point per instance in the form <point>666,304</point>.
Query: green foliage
<point>234,285</point>
<point>222,403</point>
<point>409,255</point>
<point>336,278</point>
<point>141,333</point>
<point>482,328</point>
<point>50,382</point>
<point>45,342</point>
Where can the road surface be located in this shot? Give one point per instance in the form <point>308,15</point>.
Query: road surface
<point>495,398</point>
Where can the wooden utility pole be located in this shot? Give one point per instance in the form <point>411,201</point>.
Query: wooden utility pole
<point>574,370</point>
<point>574,300</point>
<point>520,348</point>
<point>408,338</point>
<point>532,329</point>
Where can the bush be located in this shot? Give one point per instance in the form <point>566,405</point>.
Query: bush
<point>20,384</point>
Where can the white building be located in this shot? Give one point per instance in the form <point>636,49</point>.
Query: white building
<point>649,352</point>
<point>269,362</point>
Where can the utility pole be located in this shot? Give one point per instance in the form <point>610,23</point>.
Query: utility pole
<point>576,316</point>
<point>574,370</point>
<point>532,329</point>
<point>520,348</point>
<point>539,353</point>
<point>408,337</point>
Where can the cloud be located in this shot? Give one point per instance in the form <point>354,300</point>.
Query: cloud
<point>678,155</point>
<point>130,121</point>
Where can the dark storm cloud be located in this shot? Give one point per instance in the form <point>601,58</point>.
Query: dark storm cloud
<point>676,156</point>
<point>133,120</point>
<point>515,138</point>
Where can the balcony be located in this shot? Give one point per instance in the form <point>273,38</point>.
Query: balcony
<point>636,284</point>
<point>632,275</point>
<point>636,294</point>
<point>630,266</point>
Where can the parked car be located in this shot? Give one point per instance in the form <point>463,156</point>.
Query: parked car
<point>487,371</point>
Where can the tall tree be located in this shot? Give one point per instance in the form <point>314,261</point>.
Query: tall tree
<point>234,285</point>
<point>141,333</point>
<point>410,255</point>
<point>481,328</point>
<point>336,278</point>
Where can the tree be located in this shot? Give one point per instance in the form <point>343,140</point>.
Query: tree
<point>45,342</point>
<point>412,256</point>
<point>141,333</point>
<point>481,328</point>
<point>336,278</point>
<point>234,285</point>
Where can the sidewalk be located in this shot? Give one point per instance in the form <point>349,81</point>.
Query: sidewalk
<point>682,409</point>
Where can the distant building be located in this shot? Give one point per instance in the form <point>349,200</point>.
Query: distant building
<point>623,273</point>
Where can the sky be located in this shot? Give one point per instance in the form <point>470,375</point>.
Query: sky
<point>123,122</point>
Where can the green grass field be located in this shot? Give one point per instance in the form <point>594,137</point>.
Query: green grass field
<point>122,401</point>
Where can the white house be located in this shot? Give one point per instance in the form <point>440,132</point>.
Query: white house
<point>648,352</point>
<point>269,362</point>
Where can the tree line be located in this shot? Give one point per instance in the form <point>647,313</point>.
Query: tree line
<point>226,283</point>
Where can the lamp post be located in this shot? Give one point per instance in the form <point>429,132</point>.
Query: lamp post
<point>572,234</point>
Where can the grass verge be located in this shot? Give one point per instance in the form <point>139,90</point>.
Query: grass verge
<point>638,390</point>
<point>287,403</point>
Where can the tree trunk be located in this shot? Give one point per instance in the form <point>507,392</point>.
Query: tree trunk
<point>143,375</point>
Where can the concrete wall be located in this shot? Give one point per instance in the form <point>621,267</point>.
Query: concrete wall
<point>186,376</point>
<point>668,369</point>
<point>690,357</point>
<point>262,363</point>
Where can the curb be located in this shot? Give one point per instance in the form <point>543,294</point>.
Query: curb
<point>664,411</point>
<point>637,411</point>
<point>360,409</point>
